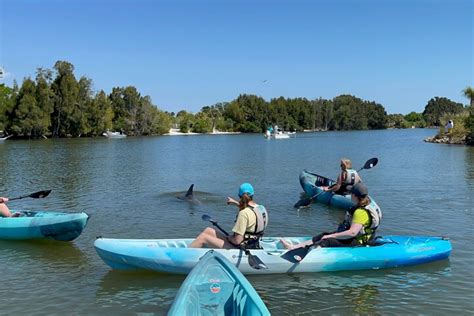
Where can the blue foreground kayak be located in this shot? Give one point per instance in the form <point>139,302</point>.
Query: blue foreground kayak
<point>174,256</point>
<point>216,287</point>
<point>43,225</point>
<point>312,183</point>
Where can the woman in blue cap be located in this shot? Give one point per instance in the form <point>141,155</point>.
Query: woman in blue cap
<point>358,227</point>
<point>250,224</point>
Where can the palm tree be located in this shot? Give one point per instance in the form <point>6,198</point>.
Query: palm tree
<point>469,93</point>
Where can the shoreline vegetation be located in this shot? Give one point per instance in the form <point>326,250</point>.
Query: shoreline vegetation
<point>55,104</point>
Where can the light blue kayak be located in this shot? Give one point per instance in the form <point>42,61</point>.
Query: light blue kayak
<point>43,225</point>
<point>312,183</point>
<point>216,287</point>
<point>174,256</point>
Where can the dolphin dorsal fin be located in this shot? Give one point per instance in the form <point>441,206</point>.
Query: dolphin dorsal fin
<point>190,191</point>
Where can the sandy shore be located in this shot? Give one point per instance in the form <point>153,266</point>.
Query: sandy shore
<point>176,132</point>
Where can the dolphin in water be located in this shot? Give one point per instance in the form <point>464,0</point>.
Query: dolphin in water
<point>189,196</point>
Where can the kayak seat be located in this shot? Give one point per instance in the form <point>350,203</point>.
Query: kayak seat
<point>214,297</point>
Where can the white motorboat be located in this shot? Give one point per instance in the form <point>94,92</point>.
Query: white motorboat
<point>109,134</point>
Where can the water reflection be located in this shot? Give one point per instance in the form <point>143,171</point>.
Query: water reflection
<point>51,254</point>
<point>149,292</point>
<point>469,164</point>
<point>349,292</point>
<point>300,294</point>
<point>124,186</point>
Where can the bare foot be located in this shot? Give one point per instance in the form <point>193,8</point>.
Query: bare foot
<point>286,244</point>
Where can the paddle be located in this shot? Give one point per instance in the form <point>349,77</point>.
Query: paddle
<point>254,261</point>
<point>298,254</point>
<point>36,195</point>
<point>372,162</point>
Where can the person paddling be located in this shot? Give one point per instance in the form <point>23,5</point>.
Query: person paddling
<point>345,180</point>
<point>358,228</point>
<point>4,210</point>
<point>250,224</point>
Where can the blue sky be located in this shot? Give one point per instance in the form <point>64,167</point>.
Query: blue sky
<point>189,54</point>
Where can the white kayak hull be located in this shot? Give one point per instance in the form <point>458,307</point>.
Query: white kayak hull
<point>173,256</point>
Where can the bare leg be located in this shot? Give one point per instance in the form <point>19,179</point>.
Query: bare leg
<point>4,210</point>
<point>209,238</point>
<point>290,246</point>
<point>286,244</point>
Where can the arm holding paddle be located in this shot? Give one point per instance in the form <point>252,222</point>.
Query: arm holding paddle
<point>5,211</point>
<point>253,260</point>
<point>336,186</point>
<point>347,234</point>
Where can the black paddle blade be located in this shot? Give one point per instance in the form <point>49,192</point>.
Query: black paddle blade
<point>296,255</point>
<point>40,194</point>
<point>206,218</point>
<point>255,262</point>
<point>370,163</point>
<point>303,203</point>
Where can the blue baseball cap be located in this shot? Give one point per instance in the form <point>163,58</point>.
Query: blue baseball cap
<point>246,188</point>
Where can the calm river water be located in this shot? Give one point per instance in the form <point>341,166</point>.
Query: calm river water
<point>129,188</point>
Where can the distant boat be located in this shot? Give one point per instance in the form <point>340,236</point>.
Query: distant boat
<point>5,138</point>
<point>277,133</point>
<point>109,134</point>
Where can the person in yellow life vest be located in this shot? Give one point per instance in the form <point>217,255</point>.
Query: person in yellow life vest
<point>345,180</point>
<point>250,224</point>
<point>358,228</point>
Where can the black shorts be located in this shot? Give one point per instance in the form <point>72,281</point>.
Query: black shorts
<point>333,242</point>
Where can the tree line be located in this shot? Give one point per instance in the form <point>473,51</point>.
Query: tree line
<point>57,104</point>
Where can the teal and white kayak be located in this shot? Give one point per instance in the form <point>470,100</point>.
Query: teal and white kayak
<point>174,256</point>
<point>216,287</point>
<point>43,225</point>
<point>312,185</point>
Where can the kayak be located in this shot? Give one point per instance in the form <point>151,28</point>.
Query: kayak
<point>174,256</point>
<point>216,287</point>
<point>43,225</point>
<point>312,183</point>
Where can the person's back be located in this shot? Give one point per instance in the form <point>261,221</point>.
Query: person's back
<point>348,177</point>
<point>251,223</point>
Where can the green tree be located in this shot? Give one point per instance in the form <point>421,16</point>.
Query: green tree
<point>202,123</point>
<point>78,120</point>
<point>185,121</point>
<point>438,107</point>
<point>6,103</point>
<point>45,101</point>
<point>469,93</point>
<point>161,122</point>
<point>66,91</point>
<point>395,121</point>
<point>469,122</point>
<point>27,116</point>
<point>100,114</point>
<point>415,119</point>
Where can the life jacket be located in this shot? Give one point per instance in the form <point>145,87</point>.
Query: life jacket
<point>348,182</point>
<point>375,218</point>
<point>252,238</point>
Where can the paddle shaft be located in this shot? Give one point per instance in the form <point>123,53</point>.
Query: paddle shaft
<point>220,228</point>
<point>36,195</point>
<point>254,261</point>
